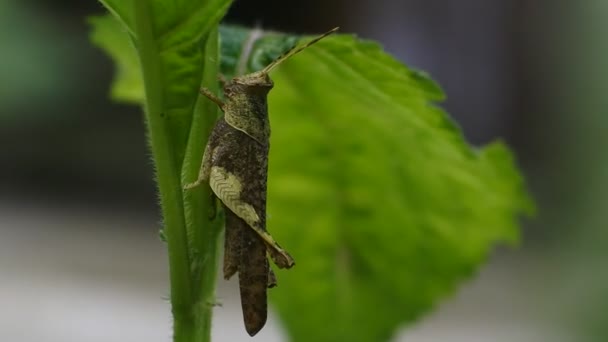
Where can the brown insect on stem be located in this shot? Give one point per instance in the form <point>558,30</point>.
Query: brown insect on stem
<point>235,164</point>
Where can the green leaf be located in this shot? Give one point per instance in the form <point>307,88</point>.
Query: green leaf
<point>375,192</point>
<point>112,37</point>
<point>179,28</point>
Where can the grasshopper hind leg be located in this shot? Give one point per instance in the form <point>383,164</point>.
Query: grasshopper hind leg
<point>254,279</point>
<point>233,241</point>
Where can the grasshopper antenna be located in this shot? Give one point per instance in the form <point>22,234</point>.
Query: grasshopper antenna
<point>295,50</point>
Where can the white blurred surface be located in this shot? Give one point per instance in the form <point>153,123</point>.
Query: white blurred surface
<point>78,274</point>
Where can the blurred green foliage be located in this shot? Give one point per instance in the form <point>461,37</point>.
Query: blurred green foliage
<point>372,187</point>
<point>128,85</point>
<point>35,59</point>
<point>580,56</point>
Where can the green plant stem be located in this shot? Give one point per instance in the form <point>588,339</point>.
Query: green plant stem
<point>168,176</point>
<point>203,228</point>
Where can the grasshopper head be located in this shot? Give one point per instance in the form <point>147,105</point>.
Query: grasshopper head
<point>256,79</point>
<point>257,83</point>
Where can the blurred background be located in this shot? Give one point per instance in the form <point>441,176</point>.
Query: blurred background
<point>80,258</point>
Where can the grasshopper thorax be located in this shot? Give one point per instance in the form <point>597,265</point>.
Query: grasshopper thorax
<point>257,83</point>
<point>246,106</point>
